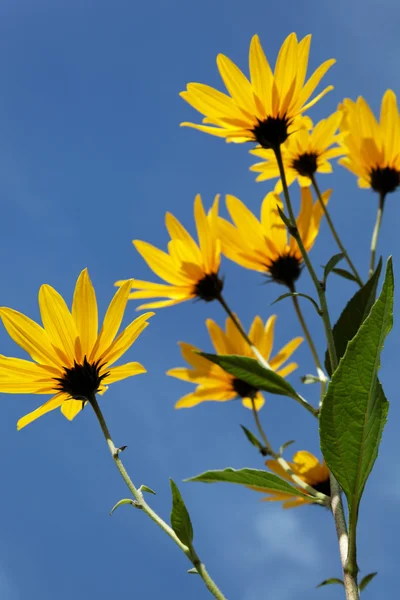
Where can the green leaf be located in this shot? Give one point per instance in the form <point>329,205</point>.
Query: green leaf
<point>291,294</point>
<point>253,440</point>
<point>331,580</point>
<point>354,410</point>
<point>180,519</point>
<point>121,502</point>
<point>353,316</point>
<point>345,274</point>
<point>331,264</point>
<point>193,571</point>
<point>366,580</point>
<point>144,488</point>
<point>249,477</point>
<point>250,371</point>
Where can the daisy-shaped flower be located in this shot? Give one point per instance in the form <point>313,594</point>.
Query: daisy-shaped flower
<point>70,358</point>
<point>190,269</point>
<point>213,383</point>
<point>372,149</point>
<point>262,109</point>
<point>306,466</point>
<point>263,245</point>
<point>305,152</point>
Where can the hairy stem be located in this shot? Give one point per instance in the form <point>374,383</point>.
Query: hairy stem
<point>350,578</point>
<point>375,234</point>
<point>334,232</point>
<point>142,504</point>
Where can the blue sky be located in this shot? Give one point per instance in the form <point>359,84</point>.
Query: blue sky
<point>91,156</point>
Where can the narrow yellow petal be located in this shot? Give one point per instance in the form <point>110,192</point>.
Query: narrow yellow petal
<point>112,320</point>
<point>124,371</point>
<point>177,231</point>
<point>258,402</point>
<point>236,83</point>
<point>30,336</point>
<point>58,322</point>
<point>285,353</point>
<point>84,312</point>
<point>206,241</point>
<point>51,404</point>
<point>159,262</point>
<point>260,74</point>
<point>205,394</point>
<point>125,340</point>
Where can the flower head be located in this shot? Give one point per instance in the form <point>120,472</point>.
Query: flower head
<point>262,109</point>
<point>263,245</point>
<point>213,383</point>
<point>306,151</point>
<point>190,269</point>
<point>372,149</point>
<point>71,359</point>
<point>306,466</point>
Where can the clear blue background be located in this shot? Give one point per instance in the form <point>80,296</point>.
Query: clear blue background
<point>91,156</point>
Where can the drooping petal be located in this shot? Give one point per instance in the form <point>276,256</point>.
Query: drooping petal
<point>71,408</point>
<point>124,371</point>
<point>51,404</point>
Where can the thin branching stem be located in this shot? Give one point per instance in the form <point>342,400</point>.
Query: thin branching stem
<point>375,233</point>
<point>141,504</point>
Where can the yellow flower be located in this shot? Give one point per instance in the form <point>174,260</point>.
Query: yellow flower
<point>263,245</point>
<point>213,383</point>
<point>71,359</point>
<point>304,153</point>
<point>190,269</point>
<point>372,149</point>
<point>306,466</point>
<point>262,109</point>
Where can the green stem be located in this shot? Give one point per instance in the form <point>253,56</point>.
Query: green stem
<point>242,332</point>
<point>323,499</point>
<point>350,578</point>
<point>375,234</point>
<point>142,504</point>
<point>258,354</point>
<point>320,371</point>
<point>334,232</point>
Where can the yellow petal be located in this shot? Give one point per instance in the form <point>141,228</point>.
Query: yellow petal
<point>159,262</point>
<point>30,336</point>
<point>206,241</point>
<point>84,312</point>
<point>236,83</point>
<point>51,404</point>
<point>205,394</point>
<point>260,74</point>
<point>70,408</point>
<point>112,320</point>
<point>177,231</point>
<point>58,323</point>
<point>258,402</point>
<point>124,371</point>
<point>125,340</point>
<point>285,353</point>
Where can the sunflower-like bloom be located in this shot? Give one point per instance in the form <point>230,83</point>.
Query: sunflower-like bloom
<point>305,152</point>
<point>263,245</point>
<point>262,109</point>
<point>72,360</point>
<point>213,383</point>
<point>372,149</point>
<point>306,466</point>
<point>190,269</point>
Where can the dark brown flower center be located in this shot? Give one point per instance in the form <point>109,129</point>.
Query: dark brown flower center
<point>324,487</point>
<point>272,132</point>
<point>243,389</point>
<point>285,270</point>
<point>81,381</point>
<point>209,288</point>
<point>306,164</point>
<point>384,180</point>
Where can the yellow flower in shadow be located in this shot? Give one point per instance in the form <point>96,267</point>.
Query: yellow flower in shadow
<point>263,108</point>
<point>70,358</point>
<point>213,383</point>
<point>306,466</point>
